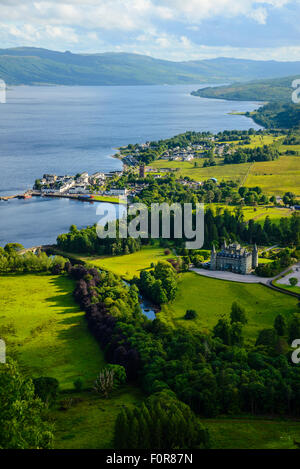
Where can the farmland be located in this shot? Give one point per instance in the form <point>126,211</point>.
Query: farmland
<point>258,213</point>
<point>230,172</point>
<point>276,177</point>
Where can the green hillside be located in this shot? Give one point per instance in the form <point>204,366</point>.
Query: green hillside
<point>32,66</point>
<point>279,89</point>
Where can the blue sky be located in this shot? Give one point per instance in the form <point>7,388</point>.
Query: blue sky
<point>167,29</point>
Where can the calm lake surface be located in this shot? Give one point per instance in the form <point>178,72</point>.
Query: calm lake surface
<point>66,130</point>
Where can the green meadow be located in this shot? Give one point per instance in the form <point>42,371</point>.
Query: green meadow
<point>276,177</point>
<point>45,330</point>
<point>130,265</point>
<point>258,213</point>
<point>88,422</point>
<point>47,334</point>
<point>212,300</point>
<point>229,172</point>
<point>253,433</point>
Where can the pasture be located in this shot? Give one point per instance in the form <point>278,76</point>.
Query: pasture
<point>229,172</point>
<point>276,177</point>
<point>130,265</point>
<point>212,300</point>
<point>253,433</point>
<point>258,213</point>
<point>89,421</point>
<point>45,331</point>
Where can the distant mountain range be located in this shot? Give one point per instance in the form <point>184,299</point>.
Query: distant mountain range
<point>33,66</point>
<point>276,90</point>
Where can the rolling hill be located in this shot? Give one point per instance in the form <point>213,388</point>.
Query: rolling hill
<point>34,66</point>
<point>276,90</point>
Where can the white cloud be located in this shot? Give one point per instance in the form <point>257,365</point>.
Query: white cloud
<point>132,14</point>
<point>198,10</point>
<point>141,26</point>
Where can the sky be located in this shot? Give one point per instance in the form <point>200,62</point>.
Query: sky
<point>167,29</point>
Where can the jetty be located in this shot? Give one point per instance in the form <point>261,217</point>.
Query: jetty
<point>26,195</point>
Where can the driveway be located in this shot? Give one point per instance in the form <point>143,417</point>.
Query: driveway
<point>250,278</point>
<point>296,274</point>
<point>229,276</point>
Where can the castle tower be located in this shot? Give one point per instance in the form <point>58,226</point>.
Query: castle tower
<point>142,171</point>
<point>255,257</point>
<point>213,258</point>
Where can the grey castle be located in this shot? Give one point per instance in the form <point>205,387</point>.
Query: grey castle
<point>234,258</point>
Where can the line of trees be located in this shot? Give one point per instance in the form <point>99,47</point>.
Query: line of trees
<point>86,241</point>
<point>13,261</point>
<point>159,284</point>
<point>250,155</point>
<point>162,422</point>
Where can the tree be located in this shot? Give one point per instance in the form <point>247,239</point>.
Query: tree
<point>78,384</point>
<point>238,314</point>
<point>267,337</point>
<point>294,328</point>
<point>46,389</point>
<point>293,281</point>
<point>162,422</point>
<point>280,325</point>
<point>104,383</point>
<point>223,331</point>
<point>21,413</point>
<point>190,314</point>
<point>110,378</point>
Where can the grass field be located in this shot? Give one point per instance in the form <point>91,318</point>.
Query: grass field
<point>276,177</point>
<point>258,213</point>
<point>260,140</point>
<point>107,199</point>
<point>234,172</point>
<point>295,289</point>
<point>252,433</point>
<point>45,331</point>
<point>89,422</point>
<point>47,334</point>
<point>212,300</point>
<point>132,264</point>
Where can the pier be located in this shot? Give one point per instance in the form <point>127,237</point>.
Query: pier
<point>80,197</point>
<point>26,195</point>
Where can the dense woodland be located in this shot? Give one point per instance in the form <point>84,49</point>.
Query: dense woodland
<point>86,240</point>
<point>251,155</point>
<point>213,374</point>
<point>277,116</point>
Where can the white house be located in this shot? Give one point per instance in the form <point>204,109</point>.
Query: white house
<point>118,192</point>
<point>79,189</point>
<point>83,179</point>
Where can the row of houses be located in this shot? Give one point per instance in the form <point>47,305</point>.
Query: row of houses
<point>81,184</point>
